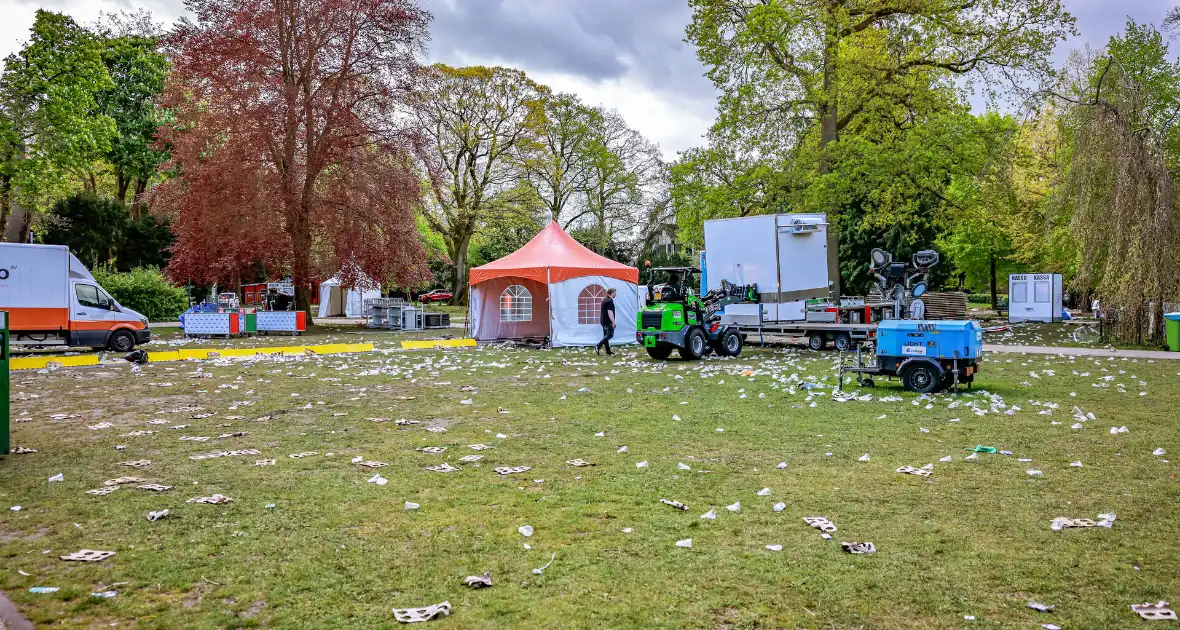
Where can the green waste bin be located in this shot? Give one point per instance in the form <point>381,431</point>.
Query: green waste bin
<point>1172,331</point>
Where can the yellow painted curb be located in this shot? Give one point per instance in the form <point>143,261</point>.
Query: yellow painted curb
<point>431,344</point>
<point>40,363</point>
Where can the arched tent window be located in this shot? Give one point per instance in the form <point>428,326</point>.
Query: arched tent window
<point>589,304</point>
<point>516,304</point>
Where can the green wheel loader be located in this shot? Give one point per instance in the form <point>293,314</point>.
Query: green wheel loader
<point>677,319</point>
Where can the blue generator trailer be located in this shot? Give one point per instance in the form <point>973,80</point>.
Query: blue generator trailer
<point>928,356</point>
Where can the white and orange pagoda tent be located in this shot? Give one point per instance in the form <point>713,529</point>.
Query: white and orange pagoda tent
<point>552,287</point>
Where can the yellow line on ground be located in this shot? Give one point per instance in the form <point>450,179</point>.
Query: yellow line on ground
<point>39,363</point>
<point>431,344</point>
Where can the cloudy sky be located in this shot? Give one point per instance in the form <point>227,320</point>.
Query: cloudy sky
<point>624,54</point>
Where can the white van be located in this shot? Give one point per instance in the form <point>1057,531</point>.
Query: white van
<point>52,300</point>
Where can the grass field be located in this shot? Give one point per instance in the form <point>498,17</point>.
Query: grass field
<point>338,552</point>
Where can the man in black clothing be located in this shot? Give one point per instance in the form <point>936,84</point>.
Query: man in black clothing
<point>607,318</point>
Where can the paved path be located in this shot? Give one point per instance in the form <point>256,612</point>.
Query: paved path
<point>1085,352</point>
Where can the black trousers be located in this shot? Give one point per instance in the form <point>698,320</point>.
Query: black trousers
<point>608,331</point>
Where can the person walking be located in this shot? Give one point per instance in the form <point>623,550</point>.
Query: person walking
<point>607,319</point>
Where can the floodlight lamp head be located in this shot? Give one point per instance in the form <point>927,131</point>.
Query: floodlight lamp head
<point>918,290</point>
<point>880,257</point>
<point>926,258</point>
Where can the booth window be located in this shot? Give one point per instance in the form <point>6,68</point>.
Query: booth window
<point>1041,292</point>
<point>516,304</point>
<point>589,303</point>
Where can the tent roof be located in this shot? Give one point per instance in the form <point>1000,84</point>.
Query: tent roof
<point>553,256</point>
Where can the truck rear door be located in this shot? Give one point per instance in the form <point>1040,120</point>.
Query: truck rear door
<point>90,315</point>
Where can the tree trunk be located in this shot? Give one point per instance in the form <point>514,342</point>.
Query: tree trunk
<point>26,228</point>
<point>830,108</point>
<point>459,256</point>
<point>5,203</point>
<point>301,256</point>
<point>121,183</point>
<point>995,298</point>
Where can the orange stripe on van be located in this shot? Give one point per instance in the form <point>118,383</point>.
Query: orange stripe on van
<point>38,318</point>
<point>78,324</point>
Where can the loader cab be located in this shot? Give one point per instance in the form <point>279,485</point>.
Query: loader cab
<point>672,285</point>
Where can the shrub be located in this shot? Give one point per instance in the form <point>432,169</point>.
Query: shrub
<point>144,289</point>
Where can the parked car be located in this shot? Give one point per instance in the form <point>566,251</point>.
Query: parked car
<point>437,295</point>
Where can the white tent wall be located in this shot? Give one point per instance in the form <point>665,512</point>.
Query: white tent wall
<point>484,308</point>
<point>338,302</point>
<point>571,328</point>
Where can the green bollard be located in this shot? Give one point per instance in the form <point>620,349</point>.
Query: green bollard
<point>5,446</point>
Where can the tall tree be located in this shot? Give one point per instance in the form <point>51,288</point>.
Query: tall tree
<point>784,65</point>
<point>137,69</point>
<point>717,182</point>
<point>555,161</point>
<point>474,120</point>
<point>51,129</point>
<point>286,143</point>
<point>620,166</point>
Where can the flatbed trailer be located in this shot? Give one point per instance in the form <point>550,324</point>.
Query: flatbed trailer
<point>818,334</point>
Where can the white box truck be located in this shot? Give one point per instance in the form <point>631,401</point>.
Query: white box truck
<point>52,300</point>
<point>791,257</point>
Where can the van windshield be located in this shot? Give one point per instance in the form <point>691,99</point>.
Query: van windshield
<point>93,297</point>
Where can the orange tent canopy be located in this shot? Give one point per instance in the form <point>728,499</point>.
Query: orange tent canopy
<point>553,256</point>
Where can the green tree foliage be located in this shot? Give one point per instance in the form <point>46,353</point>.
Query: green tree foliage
<point>554,161</point>
<point>717,182</point>
<point>145,290</point>
<point>1118,180</point>
<point>474,119</point>
<point>137,69</point>
<point>102,231</point>
<point>53,129</point>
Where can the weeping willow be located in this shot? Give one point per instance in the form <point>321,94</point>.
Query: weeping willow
<point>1125,220</point>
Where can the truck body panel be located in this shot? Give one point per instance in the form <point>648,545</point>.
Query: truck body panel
<point>52,299</point>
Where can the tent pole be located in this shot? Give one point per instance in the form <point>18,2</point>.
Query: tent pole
<point>549,299</point>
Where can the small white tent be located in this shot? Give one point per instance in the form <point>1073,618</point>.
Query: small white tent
<point>336,301</point>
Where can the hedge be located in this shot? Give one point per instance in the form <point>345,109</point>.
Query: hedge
<point>144,289</point>
<point>985,298</point>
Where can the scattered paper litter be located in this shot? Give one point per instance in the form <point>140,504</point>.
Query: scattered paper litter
<point>57,477</point>
<point>410,505</point>
<point>781,465</point>
<point>683,466</point>
<point>711,515</point>
<point>415,615</point>
<point>642,464</point>
<point>378,479</point>
<point>774,547</point>
<point>764,492</point>
<point>540,570</point>
<point>779,507</point>
<point>525,530</point>
<point>686,543</point>
<point>863,458</point>
<point>1158,452</point>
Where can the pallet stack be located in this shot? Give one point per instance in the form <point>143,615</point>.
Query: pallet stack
<point>945,305</point>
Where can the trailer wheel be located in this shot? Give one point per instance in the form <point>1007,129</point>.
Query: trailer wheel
<point>660,352</point>
<point>843,342</point>
<point>121,341</point>
<point>921,378</point>
<point>816,341</point>
<point>694,345</point>
<point>731,344</point>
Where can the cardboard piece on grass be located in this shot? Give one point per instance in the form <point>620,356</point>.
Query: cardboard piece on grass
<point>103,490</point>
<point>821,523</point>
<point>479,447</point>
<point>1040,607</point>
<point>510,470</point>
<point>686,543</point>
<point>443,468</point>
<point>154,487</point>
<point>88,555</point>
<point>122,480</point>
<point>471,458</point>
<point>859,548</point>
<point>479,581</point>
<point>215,499</point>
<point>302,455</point>
<point>157,515</point>
<point>433,450</point>
<point>20,450</point>
<point>1159,611</point>
<point>373,464</point>
<point>415,615</point>
<point>579,463</point>
<point>139,463</point>
<point>676,504</point>
<point>910,470</point>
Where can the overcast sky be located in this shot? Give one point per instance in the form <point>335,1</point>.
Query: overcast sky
<point>624,54</point>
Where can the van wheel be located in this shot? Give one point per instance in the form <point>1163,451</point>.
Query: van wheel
<point>121,341</point>
<point>816,341</point>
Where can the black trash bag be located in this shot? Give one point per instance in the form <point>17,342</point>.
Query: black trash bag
<point>138,357</point>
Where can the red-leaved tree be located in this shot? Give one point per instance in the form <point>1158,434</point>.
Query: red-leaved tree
<point>286,144</point>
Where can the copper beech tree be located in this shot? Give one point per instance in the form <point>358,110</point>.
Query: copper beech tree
<point>285,144</point>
